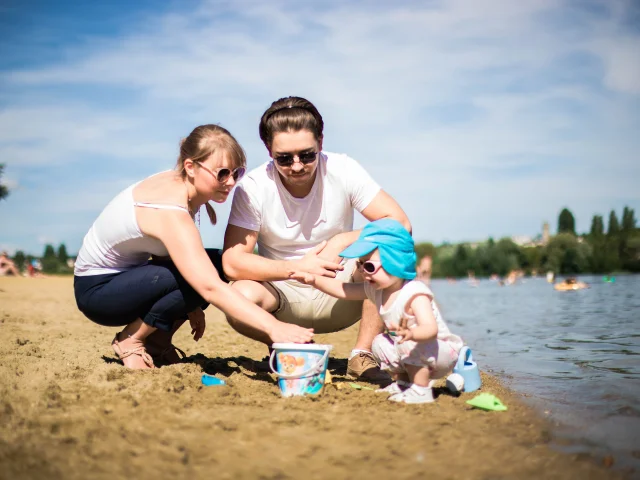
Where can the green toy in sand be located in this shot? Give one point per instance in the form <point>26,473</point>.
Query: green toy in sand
<point>487,401</point>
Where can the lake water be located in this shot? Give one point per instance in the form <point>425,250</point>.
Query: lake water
<point>575,354</point>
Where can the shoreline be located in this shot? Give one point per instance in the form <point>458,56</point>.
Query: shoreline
<point>68,409</point>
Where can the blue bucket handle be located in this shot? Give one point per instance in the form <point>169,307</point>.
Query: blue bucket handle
<point>317,368</point>
<point>464,358</point>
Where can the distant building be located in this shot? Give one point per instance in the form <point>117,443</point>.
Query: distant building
<point>522,240</point>
<point>545,233</point>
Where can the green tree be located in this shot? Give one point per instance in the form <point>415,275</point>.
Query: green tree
<point>614,225</point>
<point>62,254</point>
<point>461,261</point>
<point>597,226</point>
<point>566,222</point>
<point>566,255</point>
<point>628,241</point>
<point>507,256</point>
<point>4,191</point>
<point>50,263</point>
<point>19,259</point>
<point>424,249</point>
<point>532,258</point>
<point>628,220</point>
<point>631,253</point>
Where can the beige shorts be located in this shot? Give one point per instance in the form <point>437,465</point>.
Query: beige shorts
<point>308,307</point>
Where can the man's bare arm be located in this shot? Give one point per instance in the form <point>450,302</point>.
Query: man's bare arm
<point>240,263</point>
<point>384,205</point>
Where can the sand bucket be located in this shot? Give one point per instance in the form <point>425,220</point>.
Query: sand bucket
<point>300,368</point>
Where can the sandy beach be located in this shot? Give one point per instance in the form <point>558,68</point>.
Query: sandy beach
<point>70,410</point>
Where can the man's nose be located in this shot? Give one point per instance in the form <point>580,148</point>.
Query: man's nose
<point>297,165</point>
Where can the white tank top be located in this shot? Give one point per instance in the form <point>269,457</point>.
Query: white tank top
<point>114,242</point>
<point>398,309</point>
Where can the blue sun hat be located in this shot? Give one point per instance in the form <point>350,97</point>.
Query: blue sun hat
<point>394,243</point>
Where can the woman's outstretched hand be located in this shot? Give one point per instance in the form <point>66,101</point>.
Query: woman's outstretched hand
<point>287,333</point>
<point>198,323</point>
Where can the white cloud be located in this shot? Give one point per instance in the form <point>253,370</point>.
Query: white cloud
<point>543,95</point>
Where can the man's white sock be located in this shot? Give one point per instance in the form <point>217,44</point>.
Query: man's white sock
<point>356,351</point>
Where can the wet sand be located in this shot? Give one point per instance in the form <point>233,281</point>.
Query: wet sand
<point>70,410</point>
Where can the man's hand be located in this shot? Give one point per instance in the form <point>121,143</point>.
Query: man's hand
<point>312,263</point>
<point>198,323</point>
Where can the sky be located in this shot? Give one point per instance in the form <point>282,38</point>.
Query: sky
<point>481,118</point>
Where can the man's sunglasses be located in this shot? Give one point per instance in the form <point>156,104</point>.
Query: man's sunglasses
<point>369,267</point>
<point>223,174</point>
<point>287,159</point>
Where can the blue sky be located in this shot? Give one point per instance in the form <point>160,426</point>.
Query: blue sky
<point>482,118</point>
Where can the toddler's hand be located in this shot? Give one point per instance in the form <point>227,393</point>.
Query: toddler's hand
<point>401,331</point>
<point>303,277</point>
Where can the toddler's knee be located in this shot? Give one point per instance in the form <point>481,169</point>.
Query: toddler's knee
<point>377,344</point>
<point>384,351</point>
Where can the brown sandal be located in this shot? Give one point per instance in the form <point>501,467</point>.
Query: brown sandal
<point>169,356</point>
<point>160,347</point>
<point>138,350</point>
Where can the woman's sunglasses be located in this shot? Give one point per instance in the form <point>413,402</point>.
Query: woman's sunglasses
<point>287,159</point>
<point>223,174</point>
<point>369,266</point>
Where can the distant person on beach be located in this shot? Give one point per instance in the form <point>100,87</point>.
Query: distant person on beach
<point>418,346</point>
<point>116,282</point>
<point>34,269</point>
<point>298,209</point>
<point>424,269</point>
<point>7,266</point>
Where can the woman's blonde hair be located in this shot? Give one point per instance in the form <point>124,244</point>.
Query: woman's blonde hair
<point>203,142</point>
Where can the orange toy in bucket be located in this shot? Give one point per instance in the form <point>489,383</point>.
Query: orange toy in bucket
<point>300,368</point>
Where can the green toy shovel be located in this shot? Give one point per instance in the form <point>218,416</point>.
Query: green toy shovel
<point>486,401</point>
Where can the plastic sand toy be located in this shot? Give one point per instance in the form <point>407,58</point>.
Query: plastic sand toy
<point>211,381</point>
<point>468,369</point>
<point>301,369</point>
<point>487,401</point>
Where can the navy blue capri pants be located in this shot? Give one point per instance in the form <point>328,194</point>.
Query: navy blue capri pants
<point>155,292</point>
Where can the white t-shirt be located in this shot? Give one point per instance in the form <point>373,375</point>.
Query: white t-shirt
<point>287,226</point>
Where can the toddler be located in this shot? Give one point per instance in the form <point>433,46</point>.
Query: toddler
<point>417,346</point>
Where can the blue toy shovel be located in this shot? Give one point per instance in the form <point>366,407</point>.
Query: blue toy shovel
<point>211,381</point>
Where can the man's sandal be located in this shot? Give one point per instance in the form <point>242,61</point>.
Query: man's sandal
<point>138,350</point>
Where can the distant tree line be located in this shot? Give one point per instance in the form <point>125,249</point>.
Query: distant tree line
<point>614,249</point>
<point>52,261</point>
<point>599,251</point>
